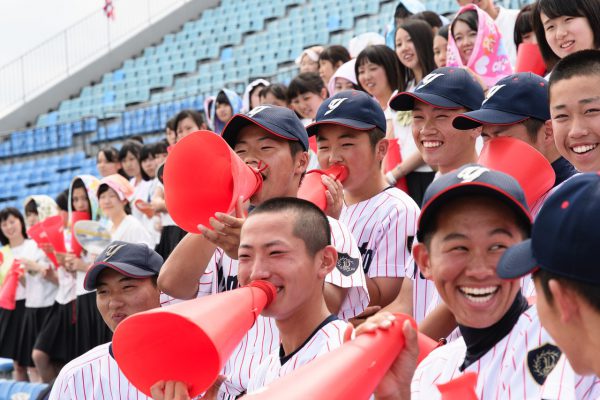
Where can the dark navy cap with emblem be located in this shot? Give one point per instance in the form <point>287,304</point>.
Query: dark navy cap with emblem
<point>513,99</point>
<point>564,237</point>
<point>279,121</point>
<point>471,180</point>
<point>135,260</point>
<point>446,87</point>
<point>353,109</point>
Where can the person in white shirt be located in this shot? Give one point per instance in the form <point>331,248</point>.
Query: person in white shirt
<point>124,277</point>
<point>505,21</point>
<point>113,196</point>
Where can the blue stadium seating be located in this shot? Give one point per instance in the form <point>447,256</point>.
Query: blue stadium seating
<point>20,390</point>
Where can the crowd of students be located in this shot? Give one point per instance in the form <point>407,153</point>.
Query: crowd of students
<point>420,226</point>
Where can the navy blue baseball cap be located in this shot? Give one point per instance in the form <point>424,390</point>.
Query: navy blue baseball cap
<point>353,109</point>
<point>279,121</point>
<point>135,260</point>
<point>564,238</point>
<point>513,99</point>
<point>471,180</point>
<point>446,87</point>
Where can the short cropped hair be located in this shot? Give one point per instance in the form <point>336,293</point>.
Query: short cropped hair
<point>582,63</point>
<point>589,292</point>
<point>305,82</point>
<point>310,223</point>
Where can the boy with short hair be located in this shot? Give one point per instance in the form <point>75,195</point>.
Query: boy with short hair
<point>574,103</point>
<point>350,129</point>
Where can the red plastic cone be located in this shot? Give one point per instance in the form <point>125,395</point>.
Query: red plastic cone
<point>461,388</point>
<point>54,228</point>
<point>352,371</point>
<point>393,158</point>
<point>521,161</point>
<point>203,175</point>
<point>144,207</point>
<point>529,59</point>
<point>190,341</point>
<point>38,234</point>
<point>8,290</point>
<point>77,216</point>
<point>312,188</point>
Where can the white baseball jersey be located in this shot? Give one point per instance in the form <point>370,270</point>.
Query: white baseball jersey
<point>384,227</point>
<point>94,375</point>
<point>263,338</point>
<point>327,337</point>
<point>517,367</point>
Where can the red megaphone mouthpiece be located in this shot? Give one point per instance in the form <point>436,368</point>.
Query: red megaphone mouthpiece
<point>359,364</point>
<point>190,341</point>
<point>312,188</point>
<point>203,175</point>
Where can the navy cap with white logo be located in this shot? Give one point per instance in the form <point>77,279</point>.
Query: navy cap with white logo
<point>135,260</point>
<point>279,121</point>
<point>354,109</point>
<point>446,87</point>
<point>564,237</point>
<point>471,180</point>
<point>513,99</point>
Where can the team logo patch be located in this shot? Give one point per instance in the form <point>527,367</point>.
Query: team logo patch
<point>335,103</point>
<point>492,92</point>
<point>256,110</point>
<point>112,250</point>
<point>470,174</point>
<point>541,361</point>
<point>428,79</point>
<point>346,264</point>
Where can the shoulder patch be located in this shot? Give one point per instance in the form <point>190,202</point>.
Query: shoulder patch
<point>346,264</point>
<point>542,360</point>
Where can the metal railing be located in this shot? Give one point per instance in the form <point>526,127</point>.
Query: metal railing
<point>77,46</point>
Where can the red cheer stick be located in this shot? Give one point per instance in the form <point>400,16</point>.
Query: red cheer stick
<point>312,188</point>
<point>39,236</point>
<point>203,175</point>
<point>461,388</point>
<point>392,158</point>
<point>190,341</point>
<point>351,371</point>
<point>8,290</point>
<point>77,216</point>
<point>521,161</point>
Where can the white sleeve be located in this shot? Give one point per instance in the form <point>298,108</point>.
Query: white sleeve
<point>209,281</point>
<point>349,271</point>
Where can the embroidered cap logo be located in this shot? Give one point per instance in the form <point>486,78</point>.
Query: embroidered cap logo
<point>256,110</point>
<point>492,92</point>
<point>428,79</point>
<point>335,104</point>
<point>112,250</point>
<point>470,174</point>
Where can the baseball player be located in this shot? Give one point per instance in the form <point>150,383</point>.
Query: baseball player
<point>574,101</point>
<point>124,277</point>
<point>565,276</point>
<point>350,129</point>
<point>469,218</point>
<point>441,96</point>
<point>273,139</point>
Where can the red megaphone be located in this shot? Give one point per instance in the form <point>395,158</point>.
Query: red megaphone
<point>38,234</point>
<point>8,290</point>
<point>312,187</point>
<point>521,161</point>
<point>77,216</point>
<point>190,341</point>
<point>529,59</point>
<point>461,388</point>
<point>203,175</point>
<point>392,158</point>
<point>55,228</point>
<point>359,364</point>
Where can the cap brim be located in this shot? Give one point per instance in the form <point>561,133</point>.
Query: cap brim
<point>232,129</point>
<point>430,210</point>
<point>517,261</point>
<point>313,128</point>
<point>485,116</point>
<point>89,283</point>
<point>405,101</point>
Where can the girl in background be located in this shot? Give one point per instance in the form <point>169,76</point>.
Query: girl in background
<point>107,161</point>
<point>227,104</point>
<point>475,42</point>
<point>143,199</point>
<point>343,79</point>
<point>306,93</point>
<point>330,60</point>
<point>90,329</point>
<point>251,97</point>
<point>188,121</point>
<point>275,94</point>
<point>440,46</point>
